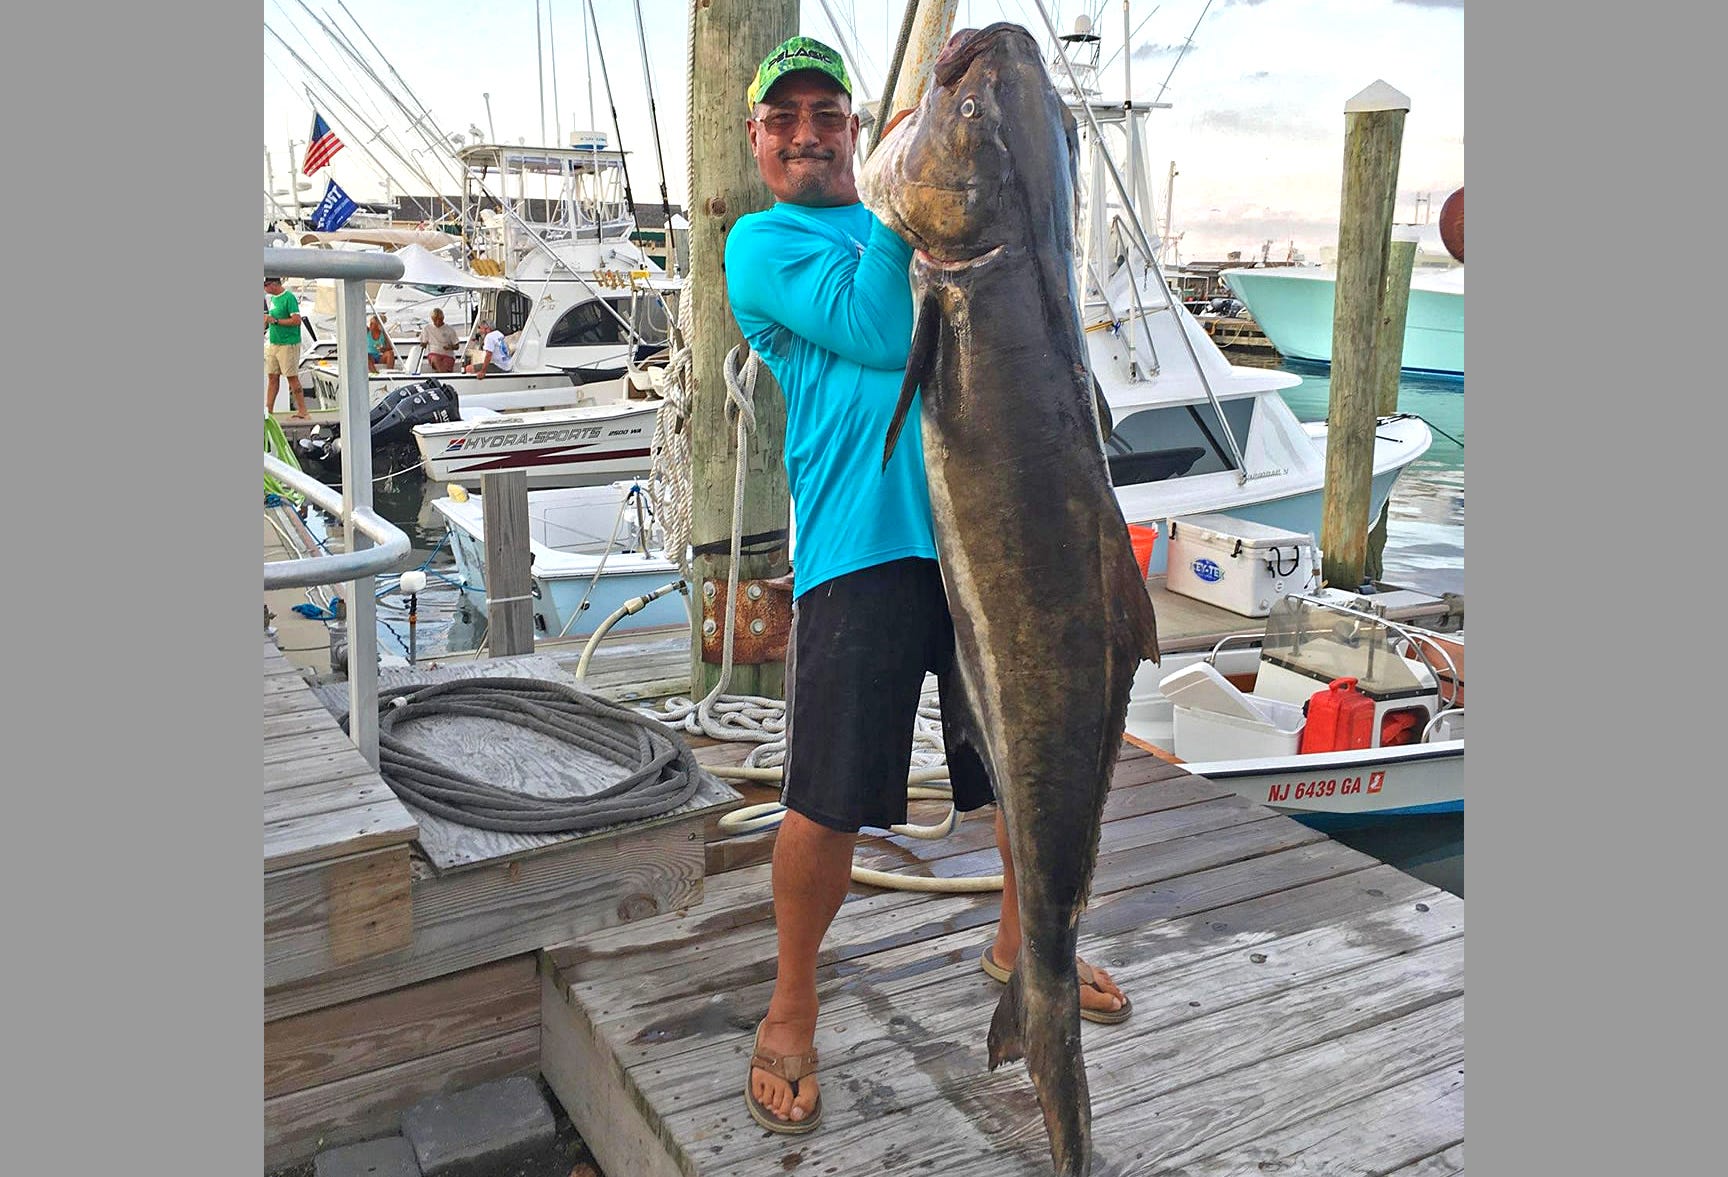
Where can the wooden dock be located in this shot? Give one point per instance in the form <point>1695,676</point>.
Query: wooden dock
<point>1241,340</point>
<point>1298,1005</point>
<point>1298,1009</point>
<point>400,947</point>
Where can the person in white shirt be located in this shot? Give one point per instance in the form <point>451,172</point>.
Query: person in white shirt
<point>495,352</point>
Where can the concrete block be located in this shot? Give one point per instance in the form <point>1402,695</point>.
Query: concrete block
<point>390,1156</point>
<point>475,1133</point>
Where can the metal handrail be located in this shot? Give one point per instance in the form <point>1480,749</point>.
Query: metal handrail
<point>363,527</point>
<point>392,542</point>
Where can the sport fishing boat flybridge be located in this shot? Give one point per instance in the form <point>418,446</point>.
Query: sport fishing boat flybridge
<point>548,259</point>
<point>1192,433</point>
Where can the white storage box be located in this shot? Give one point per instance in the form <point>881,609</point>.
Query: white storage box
<point>1216,721</point>
<point>1204,736</point>
<point>1239,565</point>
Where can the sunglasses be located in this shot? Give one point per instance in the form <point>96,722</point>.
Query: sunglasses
<point>784,122</point>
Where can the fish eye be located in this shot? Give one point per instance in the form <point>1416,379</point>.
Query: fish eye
<point>969,108</point>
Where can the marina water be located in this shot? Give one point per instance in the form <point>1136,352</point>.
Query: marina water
<point>1424,551</point>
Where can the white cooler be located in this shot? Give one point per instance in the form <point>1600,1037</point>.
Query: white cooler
<point>1215,721</point>
<point>1239,565</point>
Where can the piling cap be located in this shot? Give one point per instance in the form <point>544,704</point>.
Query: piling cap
<point>790,56</point>
<point>1378,96</point>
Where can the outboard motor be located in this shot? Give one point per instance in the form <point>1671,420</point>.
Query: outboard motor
<point>393,421</point>
<point>322,446</point>
<point>408,405</point>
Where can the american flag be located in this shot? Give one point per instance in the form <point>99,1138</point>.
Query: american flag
<point>321,146</point>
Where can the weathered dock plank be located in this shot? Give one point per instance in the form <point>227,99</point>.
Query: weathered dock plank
<point>376,1032</point>
<point>1296,1004</point>
<point>502,909</point>
<point>336,840</point>
<point>298,1124</point>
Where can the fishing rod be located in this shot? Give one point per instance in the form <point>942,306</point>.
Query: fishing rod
<point>660,156</point>
<point>606,80</point>
<point>435,141</point>
<point>360,144</point>
<point>377,134</point>
<point>1187,44</point>
<point>552,52</point>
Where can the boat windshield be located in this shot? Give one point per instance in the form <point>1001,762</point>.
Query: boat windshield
<point>1325,644</point>
<point>1154,444</point>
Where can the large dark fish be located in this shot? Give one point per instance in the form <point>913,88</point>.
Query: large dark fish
<point>1051,614</point>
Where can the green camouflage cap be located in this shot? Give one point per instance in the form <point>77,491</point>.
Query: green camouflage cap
<point>793,54</point>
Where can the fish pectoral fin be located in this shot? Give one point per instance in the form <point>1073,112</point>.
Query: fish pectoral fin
<point>919,363</point>
<point>1129,588</point>
<point>1004,1038</point>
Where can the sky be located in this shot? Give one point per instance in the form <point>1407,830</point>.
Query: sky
<point>1256,89</point>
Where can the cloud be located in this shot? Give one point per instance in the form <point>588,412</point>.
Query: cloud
<point>1459,4</point>
<point>1261,121</point>
<point>1151,52</point>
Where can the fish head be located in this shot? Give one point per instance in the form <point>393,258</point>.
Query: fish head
<point>986,159</point>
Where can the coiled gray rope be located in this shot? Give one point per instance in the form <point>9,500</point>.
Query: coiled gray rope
<point>661,772</point>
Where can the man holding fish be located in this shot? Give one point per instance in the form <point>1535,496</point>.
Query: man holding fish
<point>819,287</point>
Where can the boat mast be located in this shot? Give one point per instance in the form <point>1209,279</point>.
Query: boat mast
<point>606,81</point>
<point>654,122</point>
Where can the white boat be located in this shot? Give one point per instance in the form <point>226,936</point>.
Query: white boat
<point>550,262</point>
<point>1293,305</point>
<point>592,549</point>
<point>584,446</point>
<point>1236,715</point>
<point>1192,433</point>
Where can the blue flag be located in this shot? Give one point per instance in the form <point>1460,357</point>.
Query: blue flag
<point>334,210</point>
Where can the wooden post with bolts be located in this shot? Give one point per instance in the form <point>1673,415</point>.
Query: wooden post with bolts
<point>729,39</point>
<point>1373,137</point>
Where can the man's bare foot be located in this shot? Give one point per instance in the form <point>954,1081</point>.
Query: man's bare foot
<point>302,416</point>
<point>793,1035</point>
<point>1097,991</point>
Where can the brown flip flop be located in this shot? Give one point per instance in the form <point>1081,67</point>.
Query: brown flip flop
<point>1104,1017</point>
<point>790,1067</point>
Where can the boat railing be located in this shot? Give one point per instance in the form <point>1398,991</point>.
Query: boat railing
<point>374,544</point>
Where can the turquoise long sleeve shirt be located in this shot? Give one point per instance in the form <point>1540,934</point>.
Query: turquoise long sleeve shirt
<point>823,296</point>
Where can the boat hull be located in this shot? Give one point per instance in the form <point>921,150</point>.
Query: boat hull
<point>1403,781</point>
<point>1295,310</point>
<point>586,446</point>
<point>570,595</point>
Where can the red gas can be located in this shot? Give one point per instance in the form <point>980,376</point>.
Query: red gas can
<point>1339,717</point>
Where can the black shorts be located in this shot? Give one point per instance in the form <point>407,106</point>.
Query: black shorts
<point>861,644</point>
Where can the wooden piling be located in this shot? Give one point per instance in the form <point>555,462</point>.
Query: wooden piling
<point>1374,132</point>
<point>1394,309</point>
<point>509,610</point>
<point>1389,366</point>
<point>729,39</point>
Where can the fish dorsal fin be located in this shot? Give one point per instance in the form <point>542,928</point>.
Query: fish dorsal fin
<point>919,364</point>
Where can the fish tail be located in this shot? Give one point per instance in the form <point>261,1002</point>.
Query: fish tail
<point>1005,1024</point>
<point>1051,1038</point>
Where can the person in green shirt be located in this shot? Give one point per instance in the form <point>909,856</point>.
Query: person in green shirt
<point>282,346</point>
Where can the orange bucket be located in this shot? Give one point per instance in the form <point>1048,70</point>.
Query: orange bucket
<point>1143,539</point>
